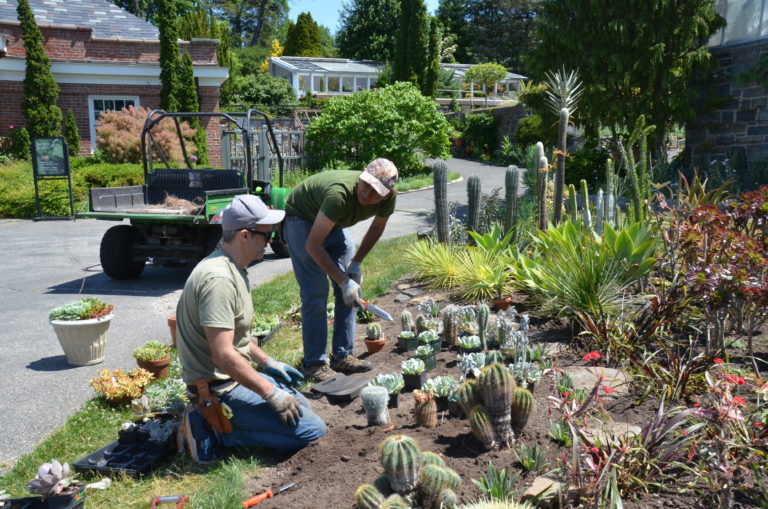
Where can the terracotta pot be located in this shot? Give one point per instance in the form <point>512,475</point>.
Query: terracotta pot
<point>172,326</point>
<point>158,368</point>
<point>84,341</point>
<point>375,345</point>
<point>502,303</point>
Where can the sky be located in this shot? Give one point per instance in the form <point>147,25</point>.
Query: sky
<point>326,12</point>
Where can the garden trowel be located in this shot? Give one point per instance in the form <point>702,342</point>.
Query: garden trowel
<point>373,308</point>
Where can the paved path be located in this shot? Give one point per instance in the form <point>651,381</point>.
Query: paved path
<point>48,263</point>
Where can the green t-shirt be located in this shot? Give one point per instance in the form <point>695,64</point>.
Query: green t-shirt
<point>334,193</point>
<point>216,294</point>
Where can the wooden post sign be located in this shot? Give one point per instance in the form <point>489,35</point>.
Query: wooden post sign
<point>50,161</point>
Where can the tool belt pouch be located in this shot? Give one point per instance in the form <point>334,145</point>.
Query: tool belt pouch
<point>209,407</point>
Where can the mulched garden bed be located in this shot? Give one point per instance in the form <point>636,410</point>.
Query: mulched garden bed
<point>328,472</point>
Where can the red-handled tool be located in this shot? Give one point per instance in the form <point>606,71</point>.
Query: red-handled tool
<point>373,308</point>
<point>267,494</point>
<point>179,500</point>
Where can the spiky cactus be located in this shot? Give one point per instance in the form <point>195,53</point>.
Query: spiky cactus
<point>512,187</point>
<point>521,408</point>
<point>421,324</point>
<point>431,458</point>
<point>483,311</point>
<point>494,356</point>
<point>373,332</point>
<point>425,408</point>
<point>480,422</point>
<point>473,199</point>
<point>375,399</point>
<point>401,459</point>
<point>368,497</point>
<point>406,322</point>
<point>394,502</point>
<point>610,193</point>
<point>495,385</point>
<point>573,209</point>
<point>542,191</point>
<point>469,397</point>
<point>433,480</point>
<point>442,220</point>
<point>450,327</point>
<point>585,204</point>
<point>600,205</point>
<point>448,499</point>
<point>562,136</point>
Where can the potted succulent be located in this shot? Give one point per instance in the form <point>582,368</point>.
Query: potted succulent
<point>374,341</point>
<point>469,344</point>
<point>413,373</point>
<point>155,357</point>
<point>81,328</point>
<point>53,489</point>
<point>441,386</point>
<point>432,339</point>
<point>393,382</point>
<point>118,387</point>
<point>158,427</point>
<point>407,341</point>
<point>427,355</point>
<point>471,363</point>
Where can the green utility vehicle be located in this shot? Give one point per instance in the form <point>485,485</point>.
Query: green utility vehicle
<point>163,232</point>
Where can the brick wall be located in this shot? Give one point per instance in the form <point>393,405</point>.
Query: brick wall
<point>737,128</point>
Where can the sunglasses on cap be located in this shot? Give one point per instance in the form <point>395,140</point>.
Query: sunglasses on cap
<point>267,235</point>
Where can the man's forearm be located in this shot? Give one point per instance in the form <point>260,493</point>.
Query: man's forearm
<point>241,371</point>
<point>324,261</point>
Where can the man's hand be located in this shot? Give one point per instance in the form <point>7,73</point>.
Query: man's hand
<point>282,371</point>
<point>354,272</point>
<point>286,406</point>
<point>350,292</point>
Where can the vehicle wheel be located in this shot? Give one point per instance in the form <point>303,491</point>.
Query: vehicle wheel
<point>279,246</point>
<point>117,250</point>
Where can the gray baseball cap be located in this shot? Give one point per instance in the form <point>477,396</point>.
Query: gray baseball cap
<point>246,211</point>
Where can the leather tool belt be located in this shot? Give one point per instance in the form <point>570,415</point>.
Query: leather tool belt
<point>207,403</point>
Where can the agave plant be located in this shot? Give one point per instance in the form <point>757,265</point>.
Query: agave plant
<point>51,479</point>
<point>563,90</point>
<point>393,382</point>
<point>430,307</point>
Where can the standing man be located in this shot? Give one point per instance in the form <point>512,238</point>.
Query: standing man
<point>318,211</point>
<point>234,404</point>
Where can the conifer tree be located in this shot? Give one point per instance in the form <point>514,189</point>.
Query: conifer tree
<point>303,38</point>
<point>188,101</point>
<point>411,44</point>
<point>41,91</point>
<point>169,55</point>
<point>433,59</point>
<point>71,134</point>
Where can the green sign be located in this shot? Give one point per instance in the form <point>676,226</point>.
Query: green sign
<point>50,157</point>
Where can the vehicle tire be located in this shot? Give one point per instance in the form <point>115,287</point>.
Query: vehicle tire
<point>278,244</point>
<point>116,253</point>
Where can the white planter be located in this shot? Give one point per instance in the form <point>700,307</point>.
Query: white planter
<point>84,341</point>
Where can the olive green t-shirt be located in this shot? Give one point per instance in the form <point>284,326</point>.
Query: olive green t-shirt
<point>334,193</point>
<point>216,294</point>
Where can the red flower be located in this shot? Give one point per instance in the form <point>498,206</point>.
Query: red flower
<point>608,390</point>
<point>566,394</point>
<point>718,361</point>
<point>759,425</point>
<point>591,356</point>
<point>696,405</point>
<point>739,401</point>
<point>594,450</point>
<point>738,380</point>
<point>684,432</point>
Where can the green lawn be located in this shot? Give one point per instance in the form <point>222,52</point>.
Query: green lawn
<point>213,487</point>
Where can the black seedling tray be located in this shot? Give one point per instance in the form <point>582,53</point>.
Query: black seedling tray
<point>73,501</point>
<point>134,459</point>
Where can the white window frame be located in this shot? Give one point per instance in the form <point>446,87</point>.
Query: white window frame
<point>92,111</point>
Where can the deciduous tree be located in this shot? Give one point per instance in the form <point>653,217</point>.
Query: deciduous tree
<point>486,75</point>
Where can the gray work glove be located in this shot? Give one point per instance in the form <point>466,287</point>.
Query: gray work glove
<point>350,291</point>
<point>281,371</point>
<point>286,406</point>
<point>355,273</point>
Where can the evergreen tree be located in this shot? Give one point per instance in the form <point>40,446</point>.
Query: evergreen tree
<point>41,91</point>
<point>453,16</point>
<point>71,134</point>
<point>433,58</point>
<point>303,39</point>
<point>411,45</point>
<point>169,55</point>
<point>367,29</point>
<point>188,101</point>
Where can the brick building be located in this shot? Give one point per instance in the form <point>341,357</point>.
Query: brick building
<point>103,58</point>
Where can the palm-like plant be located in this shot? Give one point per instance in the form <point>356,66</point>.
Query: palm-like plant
<point>563,90</point>
<point>438,263</point>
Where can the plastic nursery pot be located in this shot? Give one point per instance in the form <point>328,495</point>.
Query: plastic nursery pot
<point>394,400</point>
<point>172,326</point>
<point>436,345</point>
<point>413,382</point>
<point>470,350</point>
<point>454,409</point>
<point>374,345</point>
<point>84,341</point>
<point>158,368</point>
<point>429,362</point>
<point>72,500</point>
<point>408,344</point>
<point>442,404</point>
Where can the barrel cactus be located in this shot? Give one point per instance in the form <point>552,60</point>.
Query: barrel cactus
<point>483,311</point>
<point>448,499</point>
<point>406,322</point>
<point>373,332</point>
<point>473,198</point>
<point>468,396</point>
<point>442,219</point>
<point>433,480</point>
<point>401,459</point>
<point>431,458</point>
<point>521,408</point>
<point>368,497</point>
<point>394,502</point>
<point>480,423</point>
<point>425,408</point>
<point>421,324</point>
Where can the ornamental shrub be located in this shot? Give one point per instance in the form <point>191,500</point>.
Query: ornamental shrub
<point>531,130</point>
<point>587,164</point>
<point>395,122</point>
<point>71,134</point>
<point>481,133</point>
<point>118,135</point>
<point>19,143</point>
<point>259,90</point>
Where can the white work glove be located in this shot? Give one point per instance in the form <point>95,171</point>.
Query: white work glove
<point>281,371</point>
<point>286,406</point>
<point>350,292</point>
<point>355,273</point>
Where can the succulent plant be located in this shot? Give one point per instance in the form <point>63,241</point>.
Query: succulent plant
<point>521,408</point>
<point>428,336</point>
<point>585,205</point>
<point>393,382</point>
<point>425,408</point>
<point>442,216</point>
<point>413,366</point>
<point>433,480</point>
<point>423,352</point>
<point>525,372</point>
<point>368,497</point>
<point>468,396</point>
<point>447,499</point>
<point>512,189</point>
<point>469,342</point>
<point>373,332</point>
<point>471,363</point>
<point>375,399</point>
<point>480,422</point>
<point>394,502</point>
<point>406,322</point>
<point>495,385</point>
<point>473,200</point>
<point>406,334</point>
<point>401,459</point>
<point>450,327</point>
<point>51,479</point>
<point>440,385</point>
<point>430,307</point>
<point>493,356</point>
<point>421,324</point>
<point>483,311</point>
<point>431,458</point>
<point>159,430</point>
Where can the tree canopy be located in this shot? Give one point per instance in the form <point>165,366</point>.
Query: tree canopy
<point>486,75</point>
<point>411,44</point>
<point>367,29</point>
<point>303,37</point>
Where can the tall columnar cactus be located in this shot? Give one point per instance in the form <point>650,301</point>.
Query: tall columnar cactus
<point>368,497</point>
<point>450,327</point>
<point>511,200</point>
<point>610,193</point>
<point>421,324</point>
<point>522,408</point>
<point>473,198</point>
<point>483,311</point>
<point>442,220</point>
<point>585,204</point>
<point>401,459</point>
<point>542,184</point>
<point>480,422</point>
<point>375,399</point>
<point>469,397</point>
<point>406,322</point>
<point>495,385</point>
<point>573,207</point>
<point>562,137</point>
<point>425,408</point>
<point>433,480</point>
<point>373,332</point>
<point>600,206</point>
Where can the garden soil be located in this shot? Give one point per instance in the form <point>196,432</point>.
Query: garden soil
<point>328,472</point>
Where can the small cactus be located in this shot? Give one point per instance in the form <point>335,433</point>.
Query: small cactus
<point>600,212</point>
<point>442,220</point>
<point>394,502</point>
<point>573,208</point>
<point>406,322</point>
<point>431,458</point>
<point>368,497</point>
<point>450,328</point>
<point>512,186</point>
<point>373,332</point>
<point>448,499</point>
<point>493,356</point>
<point>480,422</point>
<point>482,324</point>
<point>474,198</point>
<point>585,203</point>
<point>522,408</point>
<point>401,459</point>
<point>468,395</point>
<point>433,480</point>
<point>610,193</point>
<point>542,191</point>
<point>425,408</point>
<point>421,324</point>
<point>375,399</point>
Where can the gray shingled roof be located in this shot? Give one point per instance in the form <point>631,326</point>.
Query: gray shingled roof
<point>106,19</point>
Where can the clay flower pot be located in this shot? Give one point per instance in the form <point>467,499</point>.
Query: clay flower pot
<point>158,368</point>
<point>502,303</point>
<point>172,326</point>
<point>374,345</point>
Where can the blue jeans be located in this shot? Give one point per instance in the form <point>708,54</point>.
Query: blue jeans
<point>313,288</point>
<point>255,423</point>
